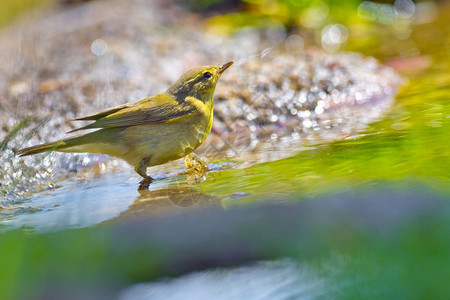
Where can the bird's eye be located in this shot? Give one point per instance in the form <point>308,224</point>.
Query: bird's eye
<point>207,75</point>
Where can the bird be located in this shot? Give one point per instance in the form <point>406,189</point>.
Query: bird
<point>152,131</point>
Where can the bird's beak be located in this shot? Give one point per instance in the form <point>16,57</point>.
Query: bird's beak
<point>225,66</point>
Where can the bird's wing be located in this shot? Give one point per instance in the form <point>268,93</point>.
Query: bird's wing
<point>156,109</point>
<point>103,113</point>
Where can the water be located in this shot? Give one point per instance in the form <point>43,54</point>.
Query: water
<point>283,279</point>
<point>411,143</point>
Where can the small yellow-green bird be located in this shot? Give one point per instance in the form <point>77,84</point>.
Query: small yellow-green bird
<point>151,131</point>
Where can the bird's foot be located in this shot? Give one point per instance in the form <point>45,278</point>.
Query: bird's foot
<point>196,169</point>
<point>141,169</point>
<point>195,164</point>
<point>145,183</point>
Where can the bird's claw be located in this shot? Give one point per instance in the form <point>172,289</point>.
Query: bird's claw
<point>145,183</point>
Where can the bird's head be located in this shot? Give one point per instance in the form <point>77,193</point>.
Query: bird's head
<point>199,82</point>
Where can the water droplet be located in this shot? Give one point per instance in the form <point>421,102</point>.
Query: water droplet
<point>368,11</point>
<point>99,47</point>
<point>405,8</point>
<point>333,36</point>
<point>307,123</point>
<point>319,110</point>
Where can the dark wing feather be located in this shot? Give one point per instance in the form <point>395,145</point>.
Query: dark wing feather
<point>103,113</point>
<point>156,109</point>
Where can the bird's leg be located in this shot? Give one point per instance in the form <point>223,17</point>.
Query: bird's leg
<point>144,184</point>
<point>141,169</point>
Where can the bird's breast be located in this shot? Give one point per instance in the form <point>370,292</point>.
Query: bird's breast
<point>201,129</point>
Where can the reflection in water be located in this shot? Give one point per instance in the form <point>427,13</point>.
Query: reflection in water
<point>196,169</point>
<point>82,204</point>
<point>174,198</point>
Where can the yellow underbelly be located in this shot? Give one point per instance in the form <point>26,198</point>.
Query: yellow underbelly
<point>163,142</point>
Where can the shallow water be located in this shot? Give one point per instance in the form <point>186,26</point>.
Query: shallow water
<point>410,144</point>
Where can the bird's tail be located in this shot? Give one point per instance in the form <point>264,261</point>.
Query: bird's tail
<point>93,142</point>
<point>42,148</point>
